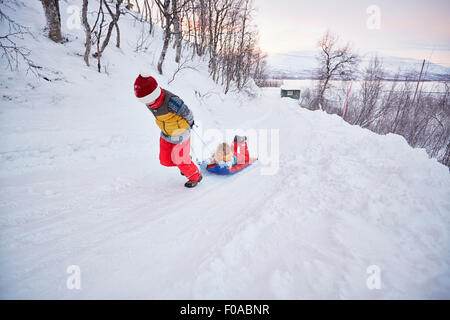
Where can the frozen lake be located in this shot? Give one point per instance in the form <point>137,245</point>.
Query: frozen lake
<point>429,86</point>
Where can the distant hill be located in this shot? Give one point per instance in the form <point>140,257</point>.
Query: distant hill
<point>301,65</point>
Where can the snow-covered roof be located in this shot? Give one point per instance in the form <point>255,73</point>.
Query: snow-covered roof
<point>289,87</point>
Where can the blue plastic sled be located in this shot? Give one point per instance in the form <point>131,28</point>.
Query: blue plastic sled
<point>214,168</point>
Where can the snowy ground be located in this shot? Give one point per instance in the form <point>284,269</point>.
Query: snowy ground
<point>80,184</point>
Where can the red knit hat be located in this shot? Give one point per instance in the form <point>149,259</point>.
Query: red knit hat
<point>146,88</point>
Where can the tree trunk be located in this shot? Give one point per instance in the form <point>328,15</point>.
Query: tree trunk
<point>166,35</point>
<point>112,24</point>
<point>149,9</point>
<point>201,47</point>
<point>87,30</point>
<point>138,8</point>
<point>118,4</point>
<point>322,93</point>
<point>51,10</point>
<point>176,26</point>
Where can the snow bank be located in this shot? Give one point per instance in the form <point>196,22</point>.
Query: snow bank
<point>81,185</point>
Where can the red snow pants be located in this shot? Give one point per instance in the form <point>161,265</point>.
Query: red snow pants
<point>240,150</point>
<point>171,155</point>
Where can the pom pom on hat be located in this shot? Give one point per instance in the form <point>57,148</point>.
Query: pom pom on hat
<point>145,73</point>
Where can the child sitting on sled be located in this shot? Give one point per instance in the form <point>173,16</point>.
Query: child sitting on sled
<point>223,156</point>
<point>226,156</point>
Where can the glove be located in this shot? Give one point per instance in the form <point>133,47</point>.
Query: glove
<point>222,164</point>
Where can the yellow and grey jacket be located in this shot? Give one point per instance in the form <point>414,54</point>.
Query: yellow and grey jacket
<point>174,118</point>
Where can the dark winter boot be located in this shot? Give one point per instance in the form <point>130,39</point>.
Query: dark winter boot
<point>191,184</point>
<point>240,139</point>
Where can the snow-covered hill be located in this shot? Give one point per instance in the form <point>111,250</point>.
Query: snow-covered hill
<point>301,65</point>
<point>81,184</point>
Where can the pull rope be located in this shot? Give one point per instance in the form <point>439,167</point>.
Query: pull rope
<point>195,154</point>
<point>204,143</point>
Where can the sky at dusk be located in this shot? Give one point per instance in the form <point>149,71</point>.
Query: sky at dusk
<point>408,28</point>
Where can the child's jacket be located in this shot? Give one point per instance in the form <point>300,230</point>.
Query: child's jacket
<point>174,118</point>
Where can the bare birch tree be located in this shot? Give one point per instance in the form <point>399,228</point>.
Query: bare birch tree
<point>87,30</point>
<point>113,24</point>
<point>370,92</point>
<point>12,53</point>
<point>53,17</point>
<point>165,11</point>
<point>336,62</point>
